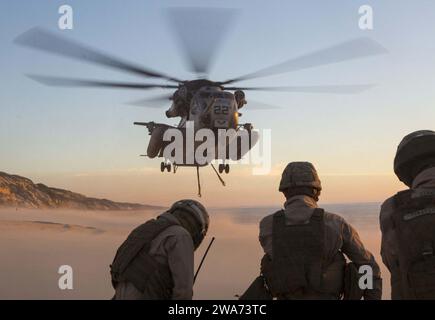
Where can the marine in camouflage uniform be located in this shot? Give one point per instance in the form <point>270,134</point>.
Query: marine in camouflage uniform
<point>156,261</point>
<point>305,247</point>
<point>408,220</point>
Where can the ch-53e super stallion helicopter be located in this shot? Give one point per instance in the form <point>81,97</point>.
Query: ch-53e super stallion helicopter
<point>208,104</point>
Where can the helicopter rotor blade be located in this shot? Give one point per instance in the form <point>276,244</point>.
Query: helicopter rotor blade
<point>68,82</point>
<point>153,102</point>
<point>43,40</point>
<point>332,89</point>
<point>345,51</point>
<point>200,32</point>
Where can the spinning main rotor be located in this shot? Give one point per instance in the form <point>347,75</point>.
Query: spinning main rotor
<point>199,32</point>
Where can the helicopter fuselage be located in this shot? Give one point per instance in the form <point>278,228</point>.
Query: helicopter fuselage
<point>210,108</point>
<point>213,108</point>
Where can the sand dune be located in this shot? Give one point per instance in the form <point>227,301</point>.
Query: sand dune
<point>21,192</point>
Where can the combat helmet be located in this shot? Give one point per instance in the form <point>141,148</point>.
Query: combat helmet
<point>300,174</point>
<point>193,216</point>
<point>415,153</point>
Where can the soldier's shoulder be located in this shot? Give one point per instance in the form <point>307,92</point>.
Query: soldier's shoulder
<point>386,213</point>
<point>330,216</point>
<point>387,204</point>
<point>337,223</point>
<point>177,231</point>
<point>268,218</point>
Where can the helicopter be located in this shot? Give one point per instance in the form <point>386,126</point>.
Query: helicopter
<point>208,106</point>
<point>206,103</point>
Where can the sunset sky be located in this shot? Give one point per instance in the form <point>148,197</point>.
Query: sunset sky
<point>84,139</point>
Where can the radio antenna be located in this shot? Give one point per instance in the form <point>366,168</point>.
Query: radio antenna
<point>203,258</point>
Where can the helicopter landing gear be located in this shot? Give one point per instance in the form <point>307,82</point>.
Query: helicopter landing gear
<point>248,126</point>
<point>165,166</point>
<point>224,168</point>
<point>221,168</point>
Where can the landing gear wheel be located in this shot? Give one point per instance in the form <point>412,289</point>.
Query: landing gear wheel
<point>248,126</point>
<point>227,168</point>
<point>162,167</point>
<point>169,167</point>
<point>221,168</point>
